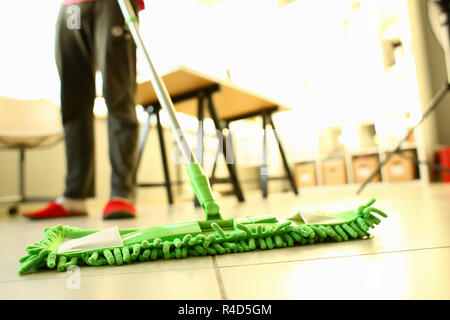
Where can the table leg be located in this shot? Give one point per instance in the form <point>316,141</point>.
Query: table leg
<point>200,134</point>
<point>264,175</point>
<point>164,159</point>
<point>144,135</point>
<point>216,159</point>
<point>230,164</point>
<point>283,156</point>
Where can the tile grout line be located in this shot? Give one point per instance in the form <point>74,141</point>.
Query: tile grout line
<point>219,279</point>
<point>335,257</point>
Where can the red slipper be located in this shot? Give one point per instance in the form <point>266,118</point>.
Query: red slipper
<point>119,209</point>
<point>53,210</point>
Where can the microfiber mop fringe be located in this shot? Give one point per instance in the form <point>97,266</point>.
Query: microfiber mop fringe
<point>243,237</point>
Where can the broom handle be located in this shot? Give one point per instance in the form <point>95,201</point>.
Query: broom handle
<point>198,179</point>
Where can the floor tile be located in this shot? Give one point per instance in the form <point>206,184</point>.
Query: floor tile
<point>165,285</point>
<point>421,274</point>
<point>8,270</point>
<point>418,218</point>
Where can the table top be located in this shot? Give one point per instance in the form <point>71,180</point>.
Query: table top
<point>231,100</point>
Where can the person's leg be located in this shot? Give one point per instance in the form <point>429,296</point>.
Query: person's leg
<point>76,67</point>
<point>73,53</point>
<point>116,59</point>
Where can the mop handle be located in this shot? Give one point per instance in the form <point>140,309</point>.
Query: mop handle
<point>198,179</point>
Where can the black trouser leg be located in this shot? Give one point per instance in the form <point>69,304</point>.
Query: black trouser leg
<point>116,59</point>
<point>73,53</point>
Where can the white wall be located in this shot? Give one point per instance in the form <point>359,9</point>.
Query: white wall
<point>435,75</point>
<point>27,52</point>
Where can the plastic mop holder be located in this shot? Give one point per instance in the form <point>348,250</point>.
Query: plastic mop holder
<point>65,246</point>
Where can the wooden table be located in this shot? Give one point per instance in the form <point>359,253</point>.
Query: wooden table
<point>201,95</point>
<point>184,84</point>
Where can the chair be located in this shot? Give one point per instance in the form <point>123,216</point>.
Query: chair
<point>27,124</point>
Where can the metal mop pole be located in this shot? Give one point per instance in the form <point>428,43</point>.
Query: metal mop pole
<point>198,180</point>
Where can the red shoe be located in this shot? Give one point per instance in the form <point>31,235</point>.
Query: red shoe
<point>119,209</point>
<point>53,210</point>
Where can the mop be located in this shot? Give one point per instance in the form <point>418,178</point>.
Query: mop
<point>64,247</point>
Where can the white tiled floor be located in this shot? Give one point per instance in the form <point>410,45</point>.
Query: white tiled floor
<point>407,257</point>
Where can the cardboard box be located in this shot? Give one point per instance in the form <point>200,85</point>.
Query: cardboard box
<point>401,169</point>
<point>363,166</point>
<point>334,172</point>
<point>305,174</point>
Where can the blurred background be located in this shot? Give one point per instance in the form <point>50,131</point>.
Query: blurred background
<point>356,74</point>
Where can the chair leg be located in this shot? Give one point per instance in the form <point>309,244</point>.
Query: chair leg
<point>22,174</point>
<point>21,198</point>
<point>164,159</point>
<point>283,156</point>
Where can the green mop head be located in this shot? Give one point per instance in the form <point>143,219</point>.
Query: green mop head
<point>197,238</point>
